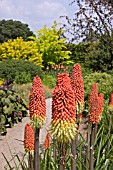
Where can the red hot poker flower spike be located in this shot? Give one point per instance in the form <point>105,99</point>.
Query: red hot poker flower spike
<point>63,125</point>
<point>37,106</point>
<point>47,141</point>
<point>77,84</point>
<point>111,102</point>
<point>93,94</point>
<point>96,103</point>
<point>29,138</point>
<point>101,102</point>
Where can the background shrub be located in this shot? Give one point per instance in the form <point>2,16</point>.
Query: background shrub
<point>13,107</point>
<point>49,81</point>
<point>16,69</point>
<point>23,77</point>
<point>104,81</point>
<point>20,49</point>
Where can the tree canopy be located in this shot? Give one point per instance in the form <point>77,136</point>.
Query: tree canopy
<point>93,22</point>
<point>92,17</point>
<point>47,48</point>
<point>10,29</point>
<point>51,46</point>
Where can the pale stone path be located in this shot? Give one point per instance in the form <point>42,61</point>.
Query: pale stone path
<point>14,138</point>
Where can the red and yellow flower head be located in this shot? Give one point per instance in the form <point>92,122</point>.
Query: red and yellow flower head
<point>29,138</point>
<point>47,141</point>
<point>37,106</point>
<point>110,105</point>
<point>63,125</point>
<point>77,84</point>
<point>96,103</point>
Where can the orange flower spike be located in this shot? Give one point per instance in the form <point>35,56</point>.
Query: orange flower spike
<point>93,94</point>
<point>29,138</point>
<point>93,103</point>
<point>110,105</point>
<point>63,125</point>
<point>101,102</point>
<point>96,103</point>
<point>37,104</point>
<point>78,87</point>
<point>47,141</point>
<point>111,99</point>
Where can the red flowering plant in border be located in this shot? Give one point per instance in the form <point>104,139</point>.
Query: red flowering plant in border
<point>28,138</point>
<point>96,103</point>
<point>110,104</point>
<point>37,106</point>
<point>77,84</point>
<point>47,141</point>
<point>63,126</point>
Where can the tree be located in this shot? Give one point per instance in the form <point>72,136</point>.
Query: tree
<point>51,46</point>
<point>10,29</point>
<point>100,55</point>
<point>93,21</point>
<point>93,17</point>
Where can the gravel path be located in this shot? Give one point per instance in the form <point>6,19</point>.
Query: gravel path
<point>15,136</point>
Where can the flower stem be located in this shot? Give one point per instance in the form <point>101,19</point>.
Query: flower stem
<point>109,129</point>
<point>62,157</point>
<point>31,161</point>
<point>73,160</point>
<point>92,148</point>
<point>36,151</point>
<point>88,145</point>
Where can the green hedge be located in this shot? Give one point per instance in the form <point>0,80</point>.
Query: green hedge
<point>19,70</point>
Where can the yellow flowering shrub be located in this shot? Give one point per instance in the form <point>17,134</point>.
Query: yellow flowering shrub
<point>52,46</point>
<point>20,49</point>
<point>1,81</point>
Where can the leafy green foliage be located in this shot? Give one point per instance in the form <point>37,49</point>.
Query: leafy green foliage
<point>104,81</point>
<point>47,161</point>
<point>79,52</point>
<point>19,70</point>
<point>23,77</point>
<point>104,141</point>
<point>12,109</point>
<point>10,29</point>
<point>49,81</point>
<point>100,55</point>
<point>51,46</point>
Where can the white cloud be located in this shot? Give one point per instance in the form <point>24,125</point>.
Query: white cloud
<point>50,8</point>
<point>35,13</point>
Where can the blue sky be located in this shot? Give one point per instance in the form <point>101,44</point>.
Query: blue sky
<point>36,13</point>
